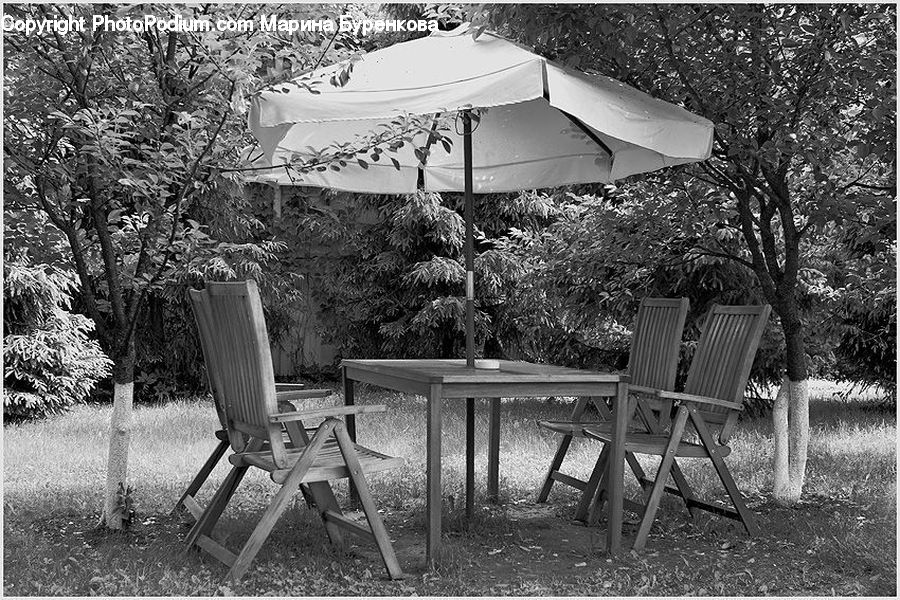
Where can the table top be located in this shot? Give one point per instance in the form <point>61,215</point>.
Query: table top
<point>450,371</point>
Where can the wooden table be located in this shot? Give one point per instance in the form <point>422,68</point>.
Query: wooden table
<point>437,379</point>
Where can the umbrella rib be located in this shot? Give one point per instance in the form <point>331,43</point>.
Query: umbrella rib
<point>586,131</point>
<point>524,161</point>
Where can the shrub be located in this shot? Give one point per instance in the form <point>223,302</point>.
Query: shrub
<point>49,360</point>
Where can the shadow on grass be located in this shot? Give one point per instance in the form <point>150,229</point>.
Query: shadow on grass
<point>821,547</point>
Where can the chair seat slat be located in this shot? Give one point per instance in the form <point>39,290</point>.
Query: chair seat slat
<point>325,467</point>
<point>655,444</point>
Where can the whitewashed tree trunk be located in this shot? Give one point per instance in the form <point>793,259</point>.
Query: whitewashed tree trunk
<point>117,466</point>
<point>781,431</point>
<point>790,417</point>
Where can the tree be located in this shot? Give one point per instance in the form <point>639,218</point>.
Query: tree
<point>386,271</point>
<point>122,139</point>
<point>803,101</point>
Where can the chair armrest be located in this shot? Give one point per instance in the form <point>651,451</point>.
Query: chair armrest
<point>332,411</point>
<point>290,395</point>
<point>699,399</point>
<point>287,387</point>
<point>643,389</point>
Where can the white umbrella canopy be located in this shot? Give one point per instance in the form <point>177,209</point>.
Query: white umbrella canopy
<point>547,125</point>
<point>544,126</point>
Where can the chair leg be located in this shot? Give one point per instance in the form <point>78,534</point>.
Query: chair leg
<point>280,502</point>
<point>322,496</point>
<point>662,475</point>
<point>745,515</point>
<point>588,496</point>
<point>595,511</point>
<point>747,518</point>
<point>590,512</point>
<point>210,516</point>
<point>202,475</point>
<point>687,494</point>
<point>299,438</point>
<point>681,483</point>
<point>348,450</point>
<point>635,467</point>
<point>596,508</point>
<point>561,451</point>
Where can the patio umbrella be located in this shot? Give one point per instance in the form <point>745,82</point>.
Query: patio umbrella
<point>545,125</point>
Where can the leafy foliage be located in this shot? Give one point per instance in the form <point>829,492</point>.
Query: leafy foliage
<point>865,301</point>
<point>50,361</point>
<point>128,143</point>
<point>388,272</point>
<point>584,276</point>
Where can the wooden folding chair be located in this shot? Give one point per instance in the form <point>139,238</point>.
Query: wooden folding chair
<point>231,319</point>
<point>712,399</point>
<point>652,364</point>
<point>285,394</point>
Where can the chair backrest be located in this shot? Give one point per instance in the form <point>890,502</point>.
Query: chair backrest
<point>239,361</point>
<point>656,341</point>
<point>721,365</point>
<point>655,344</point>
<point>200,307</point>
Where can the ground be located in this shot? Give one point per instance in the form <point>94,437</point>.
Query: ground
<point>519,549</point>
<point>841,539</point>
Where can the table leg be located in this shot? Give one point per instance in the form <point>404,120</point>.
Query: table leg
<point>433,477</point>
<point>470,458</point>
<point>493,466</point>
<point>616,469</point>
<point>350,421</point>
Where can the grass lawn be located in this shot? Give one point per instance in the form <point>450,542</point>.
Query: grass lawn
<point>841,539</point>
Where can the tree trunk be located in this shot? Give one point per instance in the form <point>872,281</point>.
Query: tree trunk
<point>790,417</point>
<point>116,505</point>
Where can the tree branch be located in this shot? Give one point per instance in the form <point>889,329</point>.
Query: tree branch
<point>707,252</point>
<point>756,254</point>
<point>176,217</point>
<point>676,62</point>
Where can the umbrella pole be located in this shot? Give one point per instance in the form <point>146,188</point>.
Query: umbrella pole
<point>470,312</point>
<point>470,243</point>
